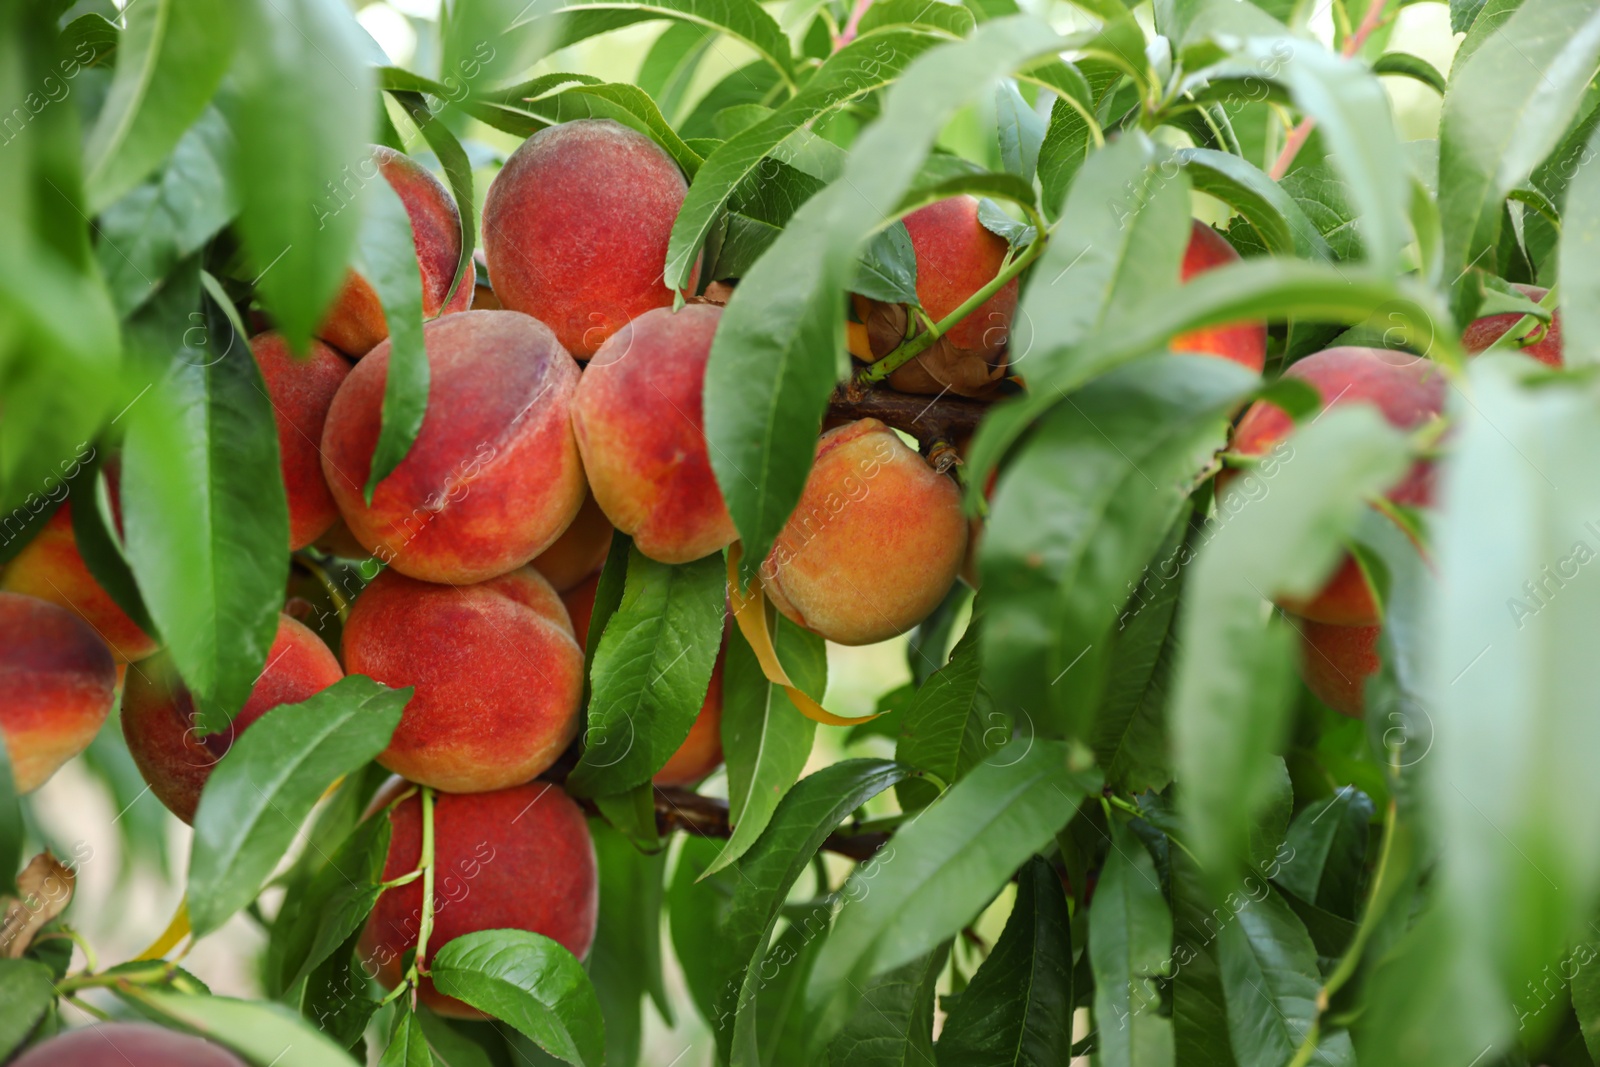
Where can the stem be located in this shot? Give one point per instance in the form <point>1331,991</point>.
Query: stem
<point>1134,810</point>
<point>87,1008</point>
<point>1352,44</point>
<point>853,24</point>
<point>156,975</point>
<point>908,351</point>
<point>425,929</point>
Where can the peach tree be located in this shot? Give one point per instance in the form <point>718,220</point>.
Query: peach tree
<point>383,495</point>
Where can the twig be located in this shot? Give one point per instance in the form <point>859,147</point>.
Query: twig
<point>926,418</point>
<point>1298,136</point>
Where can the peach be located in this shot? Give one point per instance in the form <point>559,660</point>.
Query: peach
<point>57,684</point>
<point>301,391</point>
<point>956,256</point>
<point>127,1045</point>
<point>641,429</point>
<point>49,567</point>
<point>1481,333</point>
<point>512,859</point>
<point>497,671</point>
<point>356,325</point>
<point>493,477</point>
<point>875,542</point>
<point>575,229</point>
<point>160,725</point>
<point>1245,343</point>
<point>1336,661</point>
<point>1408,391</point>
<point>579,551</point>
<point>579,602</point>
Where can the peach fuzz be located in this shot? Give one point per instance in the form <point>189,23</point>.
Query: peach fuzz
<point>956,256</point>
<point>579,551</point>
<point>127,1045</point>
<point>497,672</point>
<point>640,426</point>
<point>159,722</point>
<point>1336,661</point>
<point>493,477</point>
<point>1408,391</point>
<point>514,859</point>
<point>355,325</point>
<point>301,391</point>
<point>1244,343</point>
<point>576,226</point>
<point>50,567</point>
<point>875,542</point>
<point>1481,333</point>
<point>57,684</point>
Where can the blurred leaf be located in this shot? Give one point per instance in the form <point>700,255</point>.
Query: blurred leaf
<point>935,724</point>
<point>1020,129</point>
<point>27,989</point>
<point>1580,264</point>
<point>91,39</point>
<point>205,512</point>
<point>893,1024</point>
<point>650,672</point>
<point>949,18</point>
<point>1231,692</point>
<point>1262,202</point>
<point>408,1045</point>
<point>887,268</point>
<point>1130,940</point>
<point>1329,842</point>
<point>11,828</point>
<point>262,1033</point>
<point>670,66</point>
<point>1409,66</point>
<point>262,790</point>
<point>942,869</point>
<point>386,256</point>
<point>744,20</point>
<point>303,111</point>
<point>1463,13</point>
<point>1585,1002</point>
<point>625,960</point>
<point>451,1047</point>
<point>458,173</point>
<point>695,910</point>
<point>1199,1010</point>
<point>749,84</point>
<point>337,995</point>
<point>141,822</point>
<point>993,218</point>
<point>95,536</point>
<point>338,899</point>
<point>529,982</point>
<point>1017,1010</point>
<point>928,648</point>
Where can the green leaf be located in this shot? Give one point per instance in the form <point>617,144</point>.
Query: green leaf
<point>893,1024</point>
<point>1130,942</point>
<point>408,1045</point>
<point>1020,130</point>
<point>1507,107</point>
<point>451,1047</point>
<point>804,818</point>
<point>744,20</point>
<point>942,869</point>
<point>91,39</point>
<point>262,1033</point>
<point>1275,215</point>
<point>1069,137</point>
<point>695,907</point>
<point>1580,263</point>
<point>262,790</point>
<point>338,995</point>
<point>206,514</point>
<point>170,59</point>
<point>1230,696</point>
<point>765,739</point>
<point>887,269</point>
<point>625,960</point>
<point>1017,1010</point>
<point>1407,65</point>
<point>948,18</point>
<point>752,83</point>
<point>386,255</point>
<point>1586,1003</point>
<point>1199,1009</point>
<point>297,238</point>
<point>780,345</point>
<point>12,830</point>
<point>1463,13</point>
<point>624,103</point>
<point>670,65</point>
<point>530,982</point>
<point>27,989</point>
<point>458,172</point>
<point>338,899</point>
<point>935,724</point>
<point>650,672</point>
<point>1328,840</point>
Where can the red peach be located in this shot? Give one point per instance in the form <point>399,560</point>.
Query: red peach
<point>356,324</point>
<point>57,684</point>
<point>1481,333</point>
<point>159,721</point>
<point>579,551</point>
<point>575,229</point>
<point>640,426</point>
<point>513,859</point>
<point>497,671</point>
<point>1245,343</point>
<point>51,568</point>
<point>301,391</point>
<point>127,1045</point>
<point>1408,391</point>
<point>579,602</point>
<point>875,542</point>
<point>956,256</point>
<point>1336,661</point>
<point>493,477</point>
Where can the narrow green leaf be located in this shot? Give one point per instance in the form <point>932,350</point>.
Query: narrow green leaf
<point>935,723</point>
<point>625,960</point>
<point>1327,845</point>
<point>1020,130</point>
<point>1274,214</point>
<point>386,255</point>
<point>1407,65</point>
<point>1580,263</point>
<point>744,20</point>
<point>408,1045</point>
<point>338,900</point>
<point>893,1024</point>
<point>1130,943</point>
<point>27,989</point>
<point>1199,1010</point>
<point>262,1033</point>
<point>670,65</point>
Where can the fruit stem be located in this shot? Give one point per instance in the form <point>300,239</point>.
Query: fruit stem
<point>425,927</point>
<point>909,350</point>
<point>155,975</point>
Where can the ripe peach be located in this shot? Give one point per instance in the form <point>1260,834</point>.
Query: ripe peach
<point>579,551</point>
<point>1245,343</point>
<point>50,568</point>
<point>640,427</point>
<point>579,602</point>
<point>127,1045</point>
<point>956,256</point>
<point>875,542</point>
<point>57,684</point>
<point>1481,333</point>
<point>159,723</point>
<point>575,229</point>
<point>1408,391</point>
<point>493,477</point>
<point>1336,661</point>
<point>356,324</point>
<point>301,391</point>
<point>512,859</point>
<point>497,671</point>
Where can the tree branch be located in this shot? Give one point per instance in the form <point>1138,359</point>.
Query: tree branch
<point>926,418</point>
